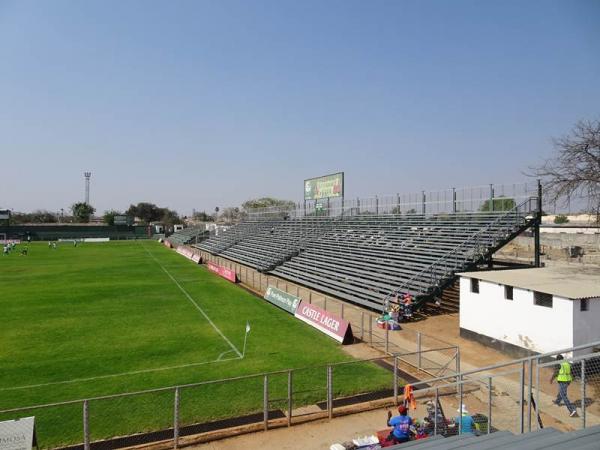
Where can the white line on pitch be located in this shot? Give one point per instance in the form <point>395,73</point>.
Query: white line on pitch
<point>233,347</point>
<point>114,375</point>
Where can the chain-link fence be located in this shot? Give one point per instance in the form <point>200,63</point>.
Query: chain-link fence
<point>516,396</point>
<point>488,198</point>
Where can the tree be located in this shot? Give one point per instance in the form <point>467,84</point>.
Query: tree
<point>231,215</point>
<point>147,212</point>
<point>169,217</point>
<point>574,171</point>
<point>561,219</point>
<point>268,202</point>
<point>82,212</point>
<point>499,204</point>
<point>109,216</point>
<point>202,216</point>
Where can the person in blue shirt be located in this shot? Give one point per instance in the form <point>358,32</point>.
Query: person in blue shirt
<point>466,421</point>
<point>402,426</point>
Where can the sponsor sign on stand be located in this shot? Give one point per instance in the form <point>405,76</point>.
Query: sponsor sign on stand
<point>330,324</point>
<point>18,434</point>
<point>226,273</point>
<point>189,254</point>
<point>282,299</point>
<point>10,241</point>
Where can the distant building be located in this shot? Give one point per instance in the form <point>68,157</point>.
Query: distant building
<point>527,311</point>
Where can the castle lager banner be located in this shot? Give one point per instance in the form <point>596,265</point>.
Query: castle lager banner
<point>282,299</point>
<point>226,273</point>
<point>324,187</point>
<point>329,323</point>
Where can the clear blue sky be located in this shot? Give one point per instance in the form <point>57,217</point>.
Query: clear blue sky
<point>202,104</point>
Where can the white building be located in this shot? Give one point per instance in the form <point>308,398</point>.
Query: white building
<point>524,311</point>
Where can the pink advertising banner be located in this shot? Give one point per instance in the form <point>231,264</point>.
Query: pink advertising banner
<point>189,254</point>
<point>329,323</point>
<point>226,273</point>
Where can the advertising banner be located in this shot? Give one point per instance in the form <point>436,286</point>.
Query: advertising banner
<point>226,273</point>
<point>282,299</point>
<point>18,434</point>
<point>329,323</point>
<point>189,254</point>
<point>324,187</point>
<point>10,241</point>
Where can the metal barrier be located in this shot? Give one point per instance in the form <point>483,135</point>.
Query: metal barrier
<point>511,396</point>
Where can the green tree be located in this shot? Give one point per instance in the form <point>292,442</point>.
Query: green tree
<point>202,216</point>
<point>109,216</point>
<point>82,212</point>
<point>561,219</point>
<point>500,204</point>
<point>147,212</point>
<point>268,202</point>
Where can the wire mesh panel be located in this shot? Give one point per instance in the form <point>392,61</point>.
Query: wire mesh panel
<point>309,390</point>
<point>131,420</point>
<point>361,381</point>
<point>240,399</point>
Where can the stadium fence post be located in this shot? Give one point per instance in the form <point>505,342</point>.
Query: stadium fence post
<point>370,330</point>
<point>529,393</point>
<point>460,402</point>
<point>86,425</point>
<point>330,391</point>
<point>387,339</point>
<point>310,297</point>
<point>537,390</point>
<point>522,395</point>
<point>325,302</point>
<point>266,402</point>
<point>457,358</point>
<point>419,350</point>
<point>583,389</point>
<point>435,411</point>
<point>362,325</point>
<point>396,380</point>
<point>176,418</point>
<point>290,403</point>
<point>489,427</point>
<point>342,310</point>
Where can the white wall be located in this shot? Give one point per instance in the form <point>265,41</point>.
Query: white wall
<point>519,321</point>
<point>586,324</point>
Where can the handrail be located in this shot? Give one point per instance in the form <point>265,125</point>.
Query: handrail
<point>452,252</point>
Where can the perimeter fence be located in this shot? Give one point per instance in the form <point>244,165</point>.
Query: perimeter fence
<point>515,396</point>
<point>488,198</point>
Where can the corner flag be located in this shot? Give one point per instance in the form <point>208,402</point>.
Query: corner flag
<point>247,327</point>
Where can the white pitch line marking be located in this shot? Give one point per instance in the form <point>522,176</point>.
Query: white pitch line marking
<point>233,347</point>
<point>114,375</point>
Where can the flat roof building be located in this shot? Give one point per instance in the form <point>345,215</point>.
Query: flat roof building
<point>525,311</point>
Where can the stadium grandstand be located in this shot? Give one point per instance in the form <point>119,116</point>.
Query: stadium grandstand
<point>370,253</point>
<point>547,438</point>
<point>188,235</point>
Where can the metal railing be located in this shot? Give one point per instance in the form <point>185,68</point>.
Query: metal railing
<point>510,396</point>
<point>490,198</point>
<point>472,244</point>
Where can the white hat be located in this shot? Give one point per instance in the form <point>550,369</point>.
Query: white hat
<point>462,409</point>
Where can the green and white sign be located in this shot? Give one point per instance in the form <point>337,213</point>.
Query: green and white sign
<point>18,434</point>
<point>324,187</point>
<point>282,299</point>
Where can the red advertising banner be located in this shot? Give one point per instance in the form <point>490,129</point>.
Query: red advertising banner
<point>226,273</point>
<point>329,323</point>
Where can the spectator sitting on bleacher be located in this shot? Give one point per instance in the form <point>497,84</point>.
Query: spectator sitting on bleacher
<point>408,306</point>
<point>402,426</point>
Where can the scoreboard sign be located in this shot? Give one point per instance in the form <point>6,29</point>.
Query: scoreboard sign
<point>18,434</point>
<point>324,187</point>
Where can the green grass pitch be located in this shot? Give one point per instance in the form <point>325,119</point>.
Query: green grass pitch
<point>106,318</point>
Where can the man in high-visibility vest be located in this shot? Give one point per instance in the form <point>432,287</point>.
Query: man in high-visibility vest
<point>563,376</point>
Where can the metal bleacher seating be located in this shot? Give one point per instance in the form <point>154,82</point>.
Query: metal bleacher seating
<point>188,235</point>
<point>367,258</point>
<point>547,438</point>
